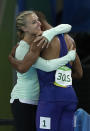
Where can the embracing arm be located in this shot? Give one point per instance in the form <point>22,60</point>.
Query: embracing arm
<point>23,65</point>
<point>25,57</point>
<point>54,64</point>
<point>31,57</point>
<point>49,31</point>
<point>42,64</point>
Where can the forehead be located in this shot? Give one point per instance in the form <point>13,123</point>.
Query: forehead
<point>31,17</point>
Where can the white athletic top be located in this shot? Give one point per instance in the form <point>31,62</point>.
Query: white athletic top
<point>27,86</point>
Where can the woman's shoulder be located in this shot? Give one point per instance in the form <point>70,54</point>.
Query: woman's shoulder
<point>24,44</point>
<point>21,50</point>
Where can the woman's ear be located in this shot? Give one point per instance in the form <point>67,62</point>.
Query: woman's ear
<point>24,29</point>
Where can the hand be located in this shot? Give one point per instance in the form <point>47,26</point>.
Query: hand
<point>12,54</point>
<point>13,50</point>
<point>72,55</point>
<point>36,46</point>
<point>41,41</point>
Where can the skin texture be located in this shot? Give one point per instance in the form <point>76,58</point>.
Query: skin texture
<point>33,37</point>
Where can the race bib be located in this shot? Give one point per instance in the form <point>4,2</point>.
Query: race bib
<point>45,123</point>
<point>63,76</point>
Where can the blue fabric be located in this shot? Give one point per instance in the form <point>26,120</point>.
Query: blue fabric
<point>61,115</point>
<point>82,120</point>
<point>50,92</point>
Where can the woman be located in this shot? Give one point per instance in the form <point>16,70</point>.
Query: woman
<point>25,94</point>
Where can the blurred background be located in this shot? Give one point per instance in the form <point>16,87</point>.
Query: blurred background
<point>74,12</point>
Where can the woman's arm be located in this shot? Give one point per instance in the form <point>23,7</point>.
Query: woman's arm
<point>54,64</point>
<point>49,31</point>
<point>31,57</point>
<point>42,64</point>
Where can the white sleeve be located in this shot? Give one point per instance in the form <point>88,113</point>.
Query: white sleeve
<point>54,64</point>
<point>60,29</point>
<point>21,51</point>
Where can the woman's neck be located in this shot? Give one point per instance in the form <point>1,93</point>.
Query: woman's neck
<point>29,39</point>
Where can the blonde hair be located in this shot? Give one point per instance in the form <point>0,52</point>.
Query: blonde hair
<point>20,21</point>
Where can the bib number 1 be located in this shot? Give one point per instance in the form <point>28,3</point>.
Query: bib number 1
<point>45,123</point>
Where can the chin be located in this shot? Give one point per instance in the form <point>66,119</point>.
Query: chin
<point>38,32</point>
<point>38,29</point>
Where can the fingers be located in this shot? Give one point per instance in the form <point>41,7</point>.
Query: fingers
<point>45,44</point>
<point>39,33</point>
<point>38,39</point>
<point>41,42</point>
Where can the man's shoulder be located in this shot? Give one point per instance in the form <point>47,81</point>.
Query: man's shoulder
<point>69,40</point>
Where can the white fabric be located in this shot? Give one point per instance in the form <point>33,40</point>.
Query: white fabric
<point>60,29</point>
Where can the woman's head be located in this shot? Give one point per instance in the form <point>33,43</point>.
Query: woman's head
<point>27,23</point>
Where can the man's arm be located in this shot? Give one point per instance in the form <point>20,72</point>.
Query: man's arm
<point>28,58</point>
<point>54,64</point>
<point>26,63</point>
<point>77,71</point>
<point>42,64</point>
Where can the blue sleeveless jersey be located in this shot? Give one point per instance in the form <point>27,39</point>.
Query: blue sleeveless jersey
<point>50,92</point>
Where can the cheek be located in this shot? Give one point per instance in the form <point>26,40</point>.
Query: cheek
<point>33,26</point>
<point>33,29</point>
